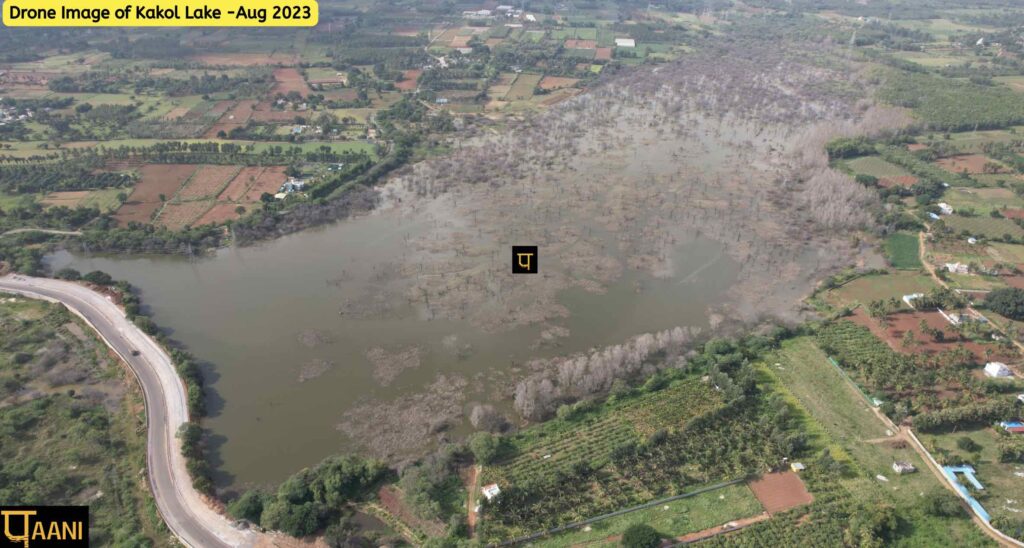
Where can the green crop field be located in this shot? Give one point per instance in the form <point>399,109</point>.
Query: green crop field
<point>903,250</point>
<point>876,167</point>
<point>880,287</point>
<point>986,226</point>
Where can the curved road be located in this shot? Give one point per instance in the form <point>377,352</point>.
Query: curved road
<point>44,231</point>
<point>181,506</point>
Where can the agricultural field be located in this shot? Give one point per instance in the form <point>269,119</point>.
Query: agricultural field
<point>883,287</point>
<point>983,201</point>
<point>876,167</point>
<point>673,519</point>
<point>903,250</point>
<point>988,227</point>
<point>106,200</point>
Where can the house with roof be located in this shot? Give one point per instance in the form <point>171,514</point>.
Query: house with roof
<point>625,43</point>
<point>945,208</point>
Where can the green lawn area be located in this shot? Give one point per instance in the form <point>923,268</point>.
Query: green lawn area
<point>983,226</point>
<point>876,167</point>
<point>880,287</point>
<point>674,519</point>
<point>903,250</point>
<point>1012,253</point>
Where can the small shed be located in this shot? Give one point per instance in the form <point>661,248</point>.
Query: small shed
<point>997,370</point>
<point>797,467</point>
<point>945,208</point>
<point>625,43</point>
<point>903,467</point>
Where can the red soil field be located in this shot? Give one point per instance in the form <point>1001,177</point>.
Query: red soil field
<point>973,163</point>
<point>461,41</point>
<point>156,179</point>
<point>492,42</point>
<point>1012,213</point>
<point>68,198</point>
<point>269,181</point>
<point>603,54</point>
<point>900,323</point>
<point>235,190</point>
<point>780,491</point>
<point>581,44</point>
<point>408,82</point>
<point>236,116</point>
<point>902,180</point>
<point>179,215</point>
<point>555,82</point>
<point>207,182</point>
<point>288,80</point>
<point>219,213</point>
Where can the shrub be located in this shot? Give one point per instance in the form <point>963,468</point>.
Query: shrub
<point>641,535</point>
<point>1007,301</point>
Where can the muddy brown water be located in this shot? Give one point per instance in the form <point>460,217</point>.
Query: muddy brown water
<point>249,314</point>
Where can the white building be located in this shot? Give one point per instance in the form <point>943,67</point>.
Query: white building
<point>957,268</point>
<point>997,370</point>
<point>625,43</point>
<point>490,491</point>
<point>945,208</point>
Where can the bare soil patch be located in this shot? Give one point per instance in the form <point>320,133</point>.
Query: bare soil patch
<point>236,116</point>
<point>556,82</point>
<point>207,182</point>
<point>408,82</point>
<point>176,216</point>
<point>780,491</point>
<point>391,499</point>
<point>900,180</point>
<point>218,214</point>
<point>176,113</point>
<point>898,324</point>
<point>157,180</point>
<point>288,80</point>
<point>270,180</point>
<point>972,163</point>
<point>235,190</point>
<point>603,54</point>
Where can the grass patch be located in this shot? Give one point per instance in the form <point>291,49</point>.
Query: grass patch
<point>674,519</point>
<point>876,167</point>
<point>903,250</point>
<point>986,226</point>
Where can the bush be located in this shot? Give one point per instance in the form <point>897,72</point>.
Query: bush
<point>641,535</point>
<point>941,502</point>
<point>1007,301</point>
<point>249,506</point>
<point>68,274</point>
<point>98,277</point>
<point>485,447</point>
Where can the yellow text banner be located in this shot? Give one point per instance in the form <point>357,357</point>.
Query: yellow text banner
<point>160,13</point>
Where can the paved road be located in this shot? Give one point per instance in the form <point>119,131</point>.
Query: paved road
<point>182,507</point>
<point>43,230</point>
